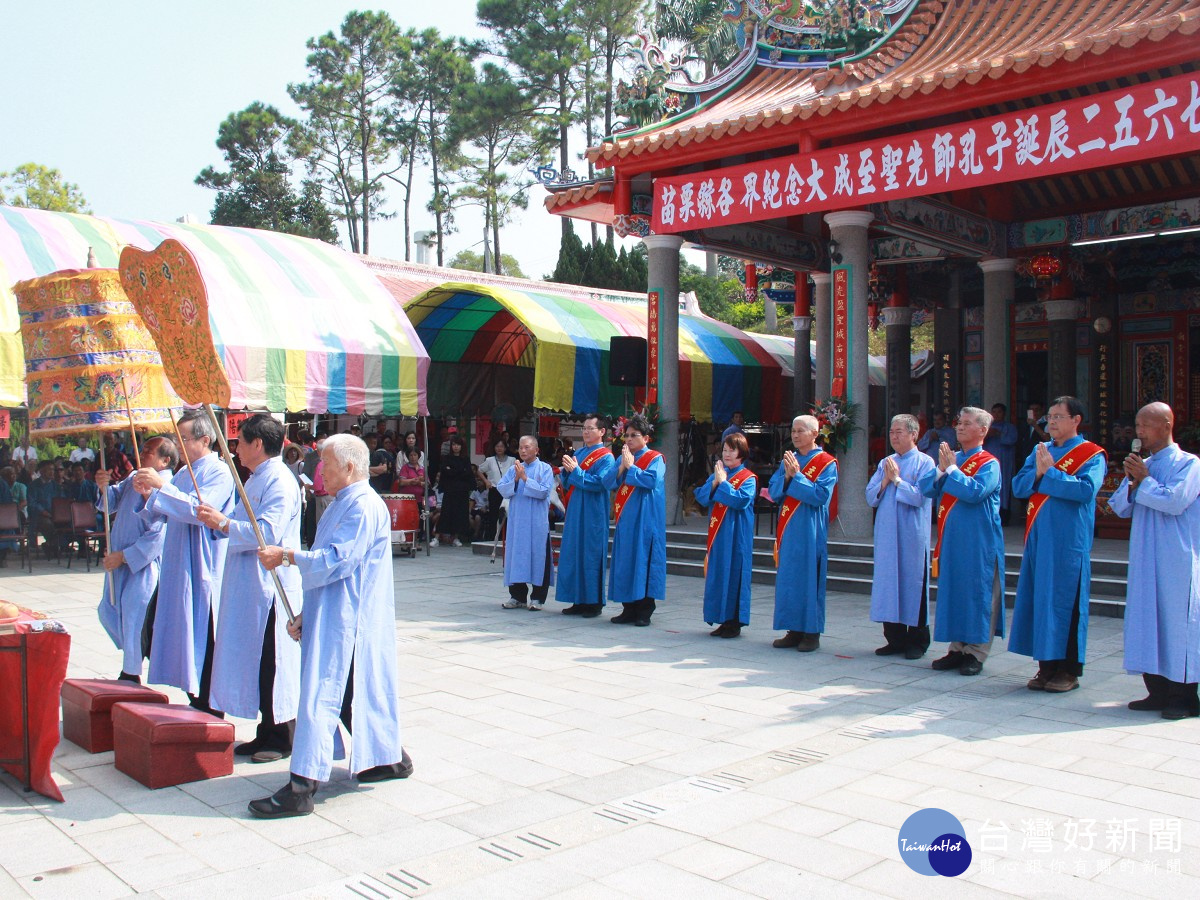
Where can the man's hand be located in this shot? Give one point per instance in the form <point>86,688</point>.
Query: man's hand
<point>146,480</point>
<point>519,471</point>
<point>791,465</point>
<point>891,471</point>
<point>113,561</point>
<point>209,516</point>
<point>271,557</point>
<point>295,627</point>
<point>1043,460</point>
<point>103,477</point>
<point>569,464</point>
<point>1135,469</point>
<point>718,473</point>
<point>946,457</point>
<point>626,458</point>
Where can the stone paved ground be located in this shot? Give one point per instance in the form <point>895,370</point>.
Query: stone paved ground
<point>575,758</point>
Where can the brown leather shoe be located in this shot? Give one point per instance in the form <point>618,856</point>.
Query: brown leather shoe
<point>809,643</point>
<point>1038,681</point>
<point>791,639</point>
<point>1061,682</point>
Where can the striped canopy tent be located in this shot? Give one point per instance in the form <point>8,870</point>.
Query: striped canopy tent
<point>299,325</point>
<point>493,346</point>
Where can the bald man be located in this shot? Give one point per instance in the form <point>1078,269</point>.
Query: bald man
<point>1162,601</point>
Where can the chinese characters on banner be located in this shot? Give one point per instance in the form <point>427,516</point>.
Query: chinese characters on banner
<point>233,421</point>
<point>652,347</point>
<point>841,330</point>
<point>1148,121</point>
<point>1103,387</point>
<point>4,423</point>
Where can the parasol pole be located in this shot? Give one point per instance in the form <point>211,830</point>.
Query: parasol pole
<point>241,489</point>
<point>183,453</point>
<point>425,518</point>
<point>112,597</point>
<point>137,457</point>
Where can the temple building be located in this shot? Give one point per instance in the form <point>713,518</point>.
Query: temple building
<point>1025,174</point>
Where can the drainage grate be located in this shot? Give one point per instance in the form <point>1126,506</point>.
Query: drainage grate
<point>798,756</point>
<point>501,852</point>
<point>864,732</point>
<point>409,883</point>
<point>711,784</point>
<point>536,840</point>
<point>370,888</point>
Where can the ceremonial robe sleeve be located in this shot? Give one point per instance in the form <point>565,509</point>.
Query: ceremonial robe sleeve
<point>170,502</point>
<point>778,485</point>
<point>912,494</point>
<point>737,498</point>
<point>342,555</point>
<point>1174,498</point>
<point>592,480</point>
<point>508,484</point>
<point>645,478</point>
<point>148,547</point>
<point>704,493</point>
<point>974,489</point>
<point>540,484</point>
<point>1023,483</point>
<point>1081,488</point>
<point>930,485</point>
<point>814,493</point>
<point>1120,503</point>
<point>272,514</point>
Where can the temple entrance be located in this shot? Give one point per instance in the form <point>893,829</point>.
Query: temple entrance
<point>1033,381</point>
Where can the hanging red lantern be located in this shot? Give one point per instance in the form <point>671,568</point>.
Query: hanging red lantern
<point>1045,266</point>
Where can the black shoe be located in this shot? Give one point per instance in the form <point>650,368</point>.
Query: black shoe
<point>809,643</point>
<point>1149,704</point>
<point>591,610</point>
<point>402,769</point>
<point>627,616</point>
<point>270,754</point>
<point>125,676</point>
<point>1178,711</point>
<point>249,748</point>
<point>970,665</point>
<point>914,652</point>
<point>789,640</point>
<point>575,609</point>
<point>952,660</point>
<point>643,610</point>
<point>888,650</point>
<point>730,629</point>
<point>293,799</point>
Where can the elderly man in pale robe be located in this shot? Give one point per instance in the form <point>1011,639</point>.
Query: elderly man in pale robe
<point>1162,602</point>
<point>527,487</point>
<point>900,587</point>
<point>347,636</point>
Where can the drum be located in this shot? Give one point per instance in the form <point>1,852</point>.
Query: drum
<point>406,517</point>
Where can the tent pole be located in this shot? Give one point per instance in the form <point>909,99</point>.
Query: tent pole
<point>425,474</point>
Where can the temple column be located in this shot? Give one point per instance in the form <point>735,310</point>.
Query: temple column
<point>820,282</point>
<point>802,359</point>
<point>999,285</point>
<point>1060,316</point>
<point>947,340</point>
<point>898,322</point>
<point>662,261</point>
<point>849,230</point>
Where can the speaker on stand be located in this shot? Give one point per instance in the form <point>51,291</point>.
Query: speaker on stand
<point>627,364</point>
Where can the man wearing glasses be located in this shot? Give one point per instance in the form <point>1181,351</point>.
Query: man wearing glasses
<point>1061,478</point>
<point>189,586</point>
<point>584,553</point>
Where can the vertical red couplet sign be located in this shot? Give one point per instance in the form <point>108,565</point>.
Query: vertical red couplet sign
<point>233,421</point>
<point>841,330</point>
<point>4,423</point>
<point>652,347</point>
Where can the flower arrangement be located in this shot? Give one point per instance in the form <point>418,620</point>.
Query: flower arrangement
<point>837,418</point>
<point>650,411</point>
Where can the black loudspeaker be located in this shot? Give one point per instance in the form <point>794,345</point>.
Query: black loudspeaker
<point>627,361</point>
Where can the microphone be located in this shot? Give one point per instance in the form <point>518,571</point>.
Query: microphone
<point>1135,446</point>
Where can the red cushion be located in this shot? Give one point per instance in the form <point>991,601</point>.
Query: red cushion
<point>97,694</point>
<point>170,724</point>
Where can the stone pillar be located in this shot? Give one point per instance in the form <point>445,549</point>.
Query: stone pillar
<point>999,283</point>
<point>802,360</point>
<point>849,230</point>
<point>662,258</point>
<point>824,335</point>
<point>898,322</point>
<point>1060,316</point>
<point>947,341</point>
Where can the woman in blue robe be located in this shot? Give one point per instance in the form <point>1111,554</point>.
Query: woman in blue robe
<point>729,563</point>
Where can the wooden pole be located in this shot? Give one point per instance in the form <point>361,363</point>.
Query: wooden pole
<point>108,583</point>
<point>137,457</point>
<point>237,480</point>
<point>183,453</point>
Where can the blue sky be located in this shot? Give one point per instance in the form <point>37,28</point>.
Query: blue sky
<point>125,98</point>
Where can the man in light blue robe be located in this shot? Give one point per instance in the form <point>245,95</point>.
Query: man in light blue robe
<point>527,487</point>
<point>1001,442</point>
<point>347,636</point>
<point>133,558</point>
<point>639,552</point>
<point>256,666</point>
<point>970,566</point>
<point>1050,617</point>
<point>900,583</point>
<point>584,552</point>
<point>802,537</point>
<point>729,562</point>
<point>1162,601</point>
<point>189,585</point>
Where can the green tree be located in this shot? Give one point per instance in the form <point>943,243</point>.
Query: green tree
<point>473,262</point>
<point>701,25</point>
<point>346,138</point>
<point>256,191</point>
<point>493,117</point>
<point>39,187</point>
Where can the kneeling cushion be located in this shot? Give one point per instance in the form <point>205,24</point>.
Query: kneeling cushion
<point>87,709</point>
<point>161,745</point>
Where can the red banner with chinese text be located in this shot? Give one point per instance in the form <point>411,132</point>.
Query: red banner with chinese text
<point>1155,120</point>
<point>654,298</point>
<point>233,421</point>
<point>841,330</point>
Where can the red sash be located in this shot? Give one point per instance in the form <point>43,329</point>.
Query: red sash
<point>589,461</point>
<point>719,510</point>
<point>1074,460</point>
<point>973,464</point>
<point>812,471</point>
<point>626,490</point>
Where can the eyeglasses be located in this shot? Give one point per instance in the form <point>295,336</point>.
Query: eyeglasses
<point>1057,418</point>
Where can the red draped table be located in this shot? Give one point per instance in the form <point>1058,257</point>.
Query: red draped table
<point>33,666</point>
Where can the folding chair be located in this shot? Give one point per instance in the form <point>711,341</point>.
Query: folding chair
<point>12,530</point>
<point>83,529</point>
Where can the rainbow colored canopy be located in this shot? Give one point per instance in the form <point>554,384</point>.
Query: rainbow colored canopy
<point>299,325</point>
<point>491,345</point>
